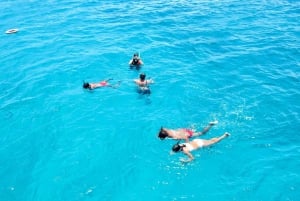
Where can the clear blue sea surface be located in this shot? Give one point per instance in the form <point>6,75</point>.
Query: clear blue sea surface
<point>237,62</point>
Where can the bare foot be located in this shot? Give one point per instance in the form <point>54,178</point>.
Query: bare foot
<point>213,122</point>
<point>227,134</point>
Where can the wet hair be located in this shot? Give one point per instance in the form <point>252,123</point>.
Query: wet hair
<point>162,134</point>
<point>86,85</point>
<point>136,54</point>
<point>177,147</point>
<point>142,76</point>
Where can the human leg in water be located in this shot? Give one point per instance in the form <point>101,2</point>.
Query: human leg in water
<point>206,129</point>
<point>215,140</point>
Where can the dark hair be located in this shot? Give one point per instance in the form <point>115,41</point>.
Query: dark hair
<point>162,134</point>
<point>177,147</point>
<point>86,85</point>
<point>136,54</point>
<point>142,76</point>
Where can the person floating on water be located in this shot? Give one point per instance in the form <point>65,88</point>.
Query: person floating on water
<point>143,84</point>
<point>195,144</point>
<point>136,61</point>
<point>183,133</point>
<point>103,83</point>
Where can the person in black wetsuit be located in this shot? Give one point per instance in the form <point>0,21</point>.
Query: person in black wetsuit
<point>136,61</point>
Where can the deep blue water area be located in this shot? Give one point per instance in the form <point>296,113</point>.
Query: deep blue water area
<point>237,62</point>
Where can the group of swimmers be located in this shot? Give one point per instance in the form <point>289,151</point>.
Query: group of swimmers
<point>142,83</point>
<point>177,134</point>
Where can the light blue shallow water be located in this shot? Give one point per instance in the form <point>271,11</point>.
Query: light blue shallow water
<point>233,61</point>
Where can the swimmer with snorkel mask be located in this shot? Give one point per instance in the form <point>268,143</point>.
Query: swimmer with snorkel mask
<point>195,144</point>
<point>104,83</point>
<point>136,61</point>
<point>183,133</point>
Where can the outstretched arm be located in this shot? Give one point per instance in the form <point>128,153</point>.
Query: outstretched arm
<point>150,81</point>
<point>136,81</point>
<point>189,155</point>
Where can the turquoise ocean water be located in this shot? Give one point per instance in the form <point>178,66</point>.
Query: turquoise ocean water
<point>237,62</point>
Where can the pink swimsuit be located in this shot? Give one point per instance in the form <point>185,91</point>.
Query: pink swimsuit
<point>103,83</point>
<point>189,132</point>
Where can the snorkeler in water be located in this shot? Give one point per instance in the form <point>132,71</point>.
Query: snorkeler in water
<point>136,61</point>
<point>183,133</point>
<point>103,83</point>
<point>143,84</point>
<point>195,144</point>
